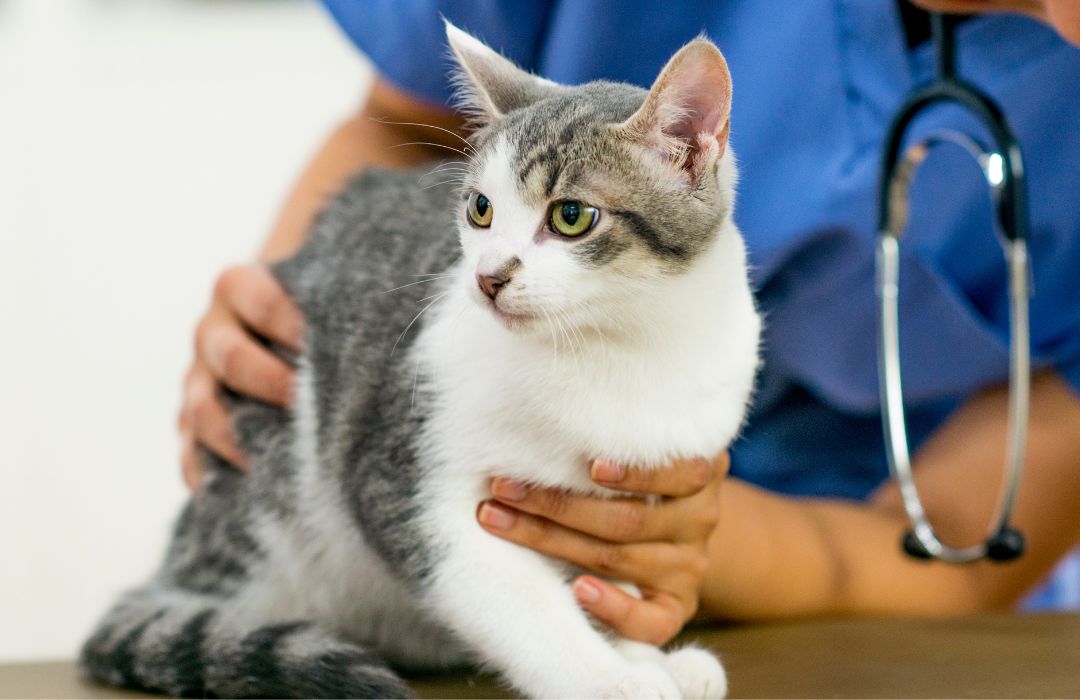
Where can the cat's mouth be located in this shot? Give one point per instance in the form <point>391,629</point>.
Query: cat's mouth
<point>511,319</point>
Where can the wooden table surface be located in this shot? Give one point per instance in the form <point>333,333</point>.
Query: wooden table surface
<point>988,656</point>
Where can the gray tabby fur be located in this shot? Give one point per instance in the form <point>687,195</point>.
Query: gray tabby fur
<point>173,635</point>
<point>307,577</point>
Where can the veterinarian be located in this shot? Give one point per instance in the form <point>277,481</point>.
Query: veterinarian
<point>801,518</point>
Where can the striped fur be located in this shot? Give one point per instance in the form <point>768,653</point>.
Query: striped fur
<point>185,645</point>
<point>353,546</point>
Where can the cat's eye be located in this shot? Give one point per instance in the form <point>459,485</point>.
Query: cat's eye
<point>479,210</point>
<point>571,218</point>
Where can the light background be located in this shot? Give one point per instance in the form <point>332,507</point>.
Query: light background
<point>144,145</point>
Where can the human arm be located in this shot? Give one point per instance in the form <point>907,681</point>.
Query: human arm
<point>247,301</point>
<point>813,556</point>
<point>376,135</point>
<point>772,556</point>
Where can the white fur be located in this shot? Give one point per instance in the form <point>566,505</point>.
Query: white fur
<point>515,402</point>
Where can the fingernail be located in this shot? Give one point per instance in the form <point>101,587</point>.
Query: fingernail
<point>496,516</point>
<point>605,470</point>
<point>508,489</point>
<point>586,592</point>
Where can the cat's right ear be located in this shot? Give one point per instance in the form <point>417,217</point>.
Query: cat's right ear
<point>489,86</point>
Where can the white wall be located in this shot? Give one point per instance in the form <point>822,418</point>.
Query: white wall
<point>144,144</point>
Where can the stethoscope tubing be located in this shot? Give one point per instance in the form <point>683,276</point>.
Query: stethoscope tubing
<point>1003,169</point>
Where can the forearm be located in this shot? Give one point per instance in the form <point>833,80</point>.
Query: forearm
<point>776,556</point>
<point>803,557</point>
<point>374,136</point>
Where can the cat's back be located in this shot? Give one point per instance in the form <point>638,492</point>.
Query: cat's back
<point>384,229</point>
<point>377,256</point>
<point>372,261</point>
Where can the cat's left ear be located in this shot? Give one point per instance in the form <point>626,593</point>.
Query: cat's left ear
<point>685,118</point>
<point>489,85</point>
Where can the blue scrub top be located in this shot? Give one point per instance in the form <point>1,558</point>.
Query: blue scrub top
<point>816,84</point>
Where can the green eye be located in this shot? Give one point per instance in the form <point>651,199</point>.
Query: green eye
<point>572,218</point>
<point>480,210</point>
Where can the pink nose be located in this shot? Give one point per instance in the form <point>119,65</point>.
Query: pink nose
<point>491,284</point>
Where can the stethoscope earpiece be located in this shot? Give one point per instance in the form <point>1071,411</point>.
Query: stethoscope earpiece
<point>913,546</point>
<point>1006,545</point>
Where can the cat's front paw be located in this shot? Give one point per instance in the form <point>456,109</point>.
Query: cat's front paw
<point>698,673</point>
<point>641,680</point>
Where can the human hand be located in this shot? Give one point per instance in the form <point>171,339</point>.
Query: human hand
<point>247,302</point>
<point>661,548</point>
<point>1062,15</point>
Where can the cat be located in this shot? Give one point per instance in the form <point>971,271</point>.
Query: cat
<point>594,302</point>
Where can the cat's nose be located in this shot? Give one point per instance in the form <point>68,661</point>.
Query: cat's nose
<point>491,284</point>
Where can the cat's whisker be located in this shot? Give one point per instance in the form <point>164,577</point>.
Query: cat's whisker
<point>432,279</point>
<point>595,312</point>
<point>554,341</point>
<point>440,294</point>
<point>591,319</point>
<point>436,145</point>
<point>574,329</point>
<point>459,179</point>
<point>449,166</point>
<point>429,126</point>
<point>457,319</point>
<point>560,315</point>
<point>455,179</point>
<point>619,324</point>
<point>583,341</point>
<point>438,184</point>
<point>449,176</point>
<point>455,169</point>
<point>415,318</point>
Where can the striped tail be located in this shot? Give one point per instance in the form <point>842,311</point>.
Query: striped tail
<point>187,645</point>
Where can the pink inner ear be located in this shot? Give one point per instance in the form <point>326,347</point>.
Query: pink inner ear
<point>700,94</point>
<point>690,109</point>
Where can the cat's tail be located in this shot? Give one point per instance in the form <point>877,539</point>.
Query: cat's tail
<point>189,645</point>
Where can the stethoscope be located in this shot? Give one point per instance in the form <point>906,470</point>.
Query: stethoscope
<point>1004,172</point>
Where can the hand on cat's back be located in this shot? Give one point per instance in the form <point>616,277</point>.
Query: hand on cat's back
<point>247,304</point>
<point>662,546</point>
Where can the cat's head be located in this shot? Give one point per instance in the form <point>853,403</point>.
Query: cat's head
<point>578,202</point>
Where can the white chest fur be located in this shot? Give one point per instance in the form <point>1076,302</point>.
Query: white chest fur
<point>511,404</point>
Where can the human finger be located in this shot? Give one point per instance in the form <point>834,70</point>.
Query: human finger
<point>621,519</point>
<point>241,363</point>
<point>651,562</point>
<point>207,420</point>
<point>655,619</point>
<point>190,468</point>
<point>261,303</point>
<point>683,478</point>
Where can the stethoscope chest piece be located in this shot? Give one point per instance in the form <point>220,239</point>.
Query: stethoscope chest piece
<point>1002,167</point>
